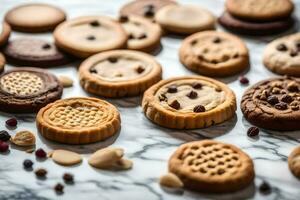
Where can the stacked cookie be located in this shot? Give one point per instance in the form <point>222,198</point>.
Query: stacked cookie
<point>254,17</point>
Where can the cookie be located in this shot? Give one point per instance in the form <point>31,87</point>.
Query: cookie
<point>255,28</point>
<point>35,53</point>
<point>84,36</point>
<point>262,10</point>
<point>189,102</point>
<point>143,34</point>
<point>273,104</point>
<point>119,73</point>
<point>185,19</point>
<point>282,56</point>
<point>294,162</point>
<point>80,120</point>
<point>144,8</point>
<point>4,33</point>
<point>211,166</point>
<point>2,63</point>
<point>35,17</point>
<point>65,157</point>
<point>27,90</point>
<point>213,53</point>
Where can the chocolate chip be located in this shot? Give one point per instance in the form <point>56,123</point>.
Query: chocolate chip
<point>140,69</point>
<point>293,53</point>
<point>68,178</point>
<point>27,164</point>
<point>131,36</point>
<point>287,98</point>
<point>265,188</point>
<point>197,86</point>
<point>192,95</point>
<point>281,47</point>
<point>216,40</point>
<point>162,97</point>
<point>93,71</point>
<point>200,57</point>
<point>59,188</point>
<point>199,108</point>
<point>46,46</point>
<point>272,100</point>
<point>91,37</point>
<point>172,89</point>
<point>175,104</point>
<point>112,59</point>
<point>236,55</point>
<point>4,136</point>
<point>149,10</point>
<point>41,172</point>
<point>244,80</point>
<point>281,106</point>
<point>194,42</point>
<point>95,23</point>
<point>143,36</point>
<point>298,45</point>
<point>253,131</point>
<point>123,18</point>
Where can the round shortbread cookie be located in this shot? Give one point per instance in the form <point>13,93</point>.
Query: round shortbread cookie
<point>65,157</point>
<point>189,102</point>
<point>185,19</point>
<point>211,166</point>
<point>294,162</point>
<point>282,55</point>
<point>119,73</point>
<point>262,10</point>
<point>4,33</point>
<point>213,53</point>
<point>85,36</point>
<point>79,120</point>
<point>35,17</point>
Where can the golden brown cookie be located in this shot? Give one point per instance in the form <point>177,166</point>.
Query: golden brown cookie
<point>294,162</point>
<point>2,63</point>
<point>79,120</point>
<point>189,102</point>
<point>119,73</point>
<point>262,10</point>
<point>4,33</point>
<point>214,53</point>
<point>185,19</point>
<point>144,35</point>
<point>211,166</point>
<point>85,36</point>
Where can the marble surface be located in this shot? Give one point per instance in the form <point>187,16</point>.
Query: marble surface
<point>148,145</point>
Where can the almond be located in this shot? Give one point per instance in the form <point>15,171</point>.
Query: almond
<point>65,81</point>
<point>170,180</point>
<point>105,158</point>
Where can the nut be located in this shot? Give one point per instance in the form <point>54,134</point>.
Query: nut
<point>276,90</point>
<point>106,158</point>
<point>23,138</point>
<point>65,81</point>
<point>123,164</point>
<point>170,180</point>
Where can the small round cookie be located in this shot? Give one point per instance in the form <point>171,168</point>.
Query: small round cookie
<point>213,53</point>
<point>85,36</point>
<point>143,34</point>
<point>26,90</point>
<point>35,17</point>
<point>65,157</point>
<point>4,33</point>
<point>282,55</point>
<point>119,73</point>
<point>255,28</point>
<point>35,53</point>
<point>80,120</point>
<point>185,19</point>
<point>273,104</point>
<point>144,8</point>
<point>262,10</point>
<point>2,63</point>
<point>211,166</point>
<point>294,162</point>
<point>189,102</point>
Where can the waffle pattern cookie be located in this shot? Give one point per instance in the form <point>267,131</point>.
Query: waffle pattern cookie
<point>282,56</point>
<point>27,90</point>
<point>294,162</point>
<point>273,104</point>
<point>213,53</point>
<point>78,120</point>
<point>119,73</point>
<point>85,36</point>
<point>189,102</point>
<point>211,166</point>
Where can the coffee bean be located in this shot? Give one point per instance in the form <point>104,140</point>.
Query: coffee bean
<point>112,59</point>
<point>282,47</point>
<point>272,100</point>
<point>149,11</point>
<point>68,178</point>
<point>192,95</point>
<point>91,37</point>
<point>216,40</point>
<point>199,108</point>
<point>46,46</point>
<point>12,122</point>
<point>281,106</point>
<point>123,18</point>
<point>175,104</point>
<point>140,70</point>
<point>27,164</point>
<point>172,89</point>
<point>4,136</point>
<point>253,131</point>
<point>40,172</point>
<point>265,188</point>
<point>243,80</point>
<point>287,98</point>
<point>59,188</point>
<point>95,23</point>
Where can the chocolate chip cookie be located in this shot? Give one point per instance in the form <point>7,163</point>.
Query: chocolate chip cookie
<point>4,33</point>
<point>119,73</point>
<point>34,52</point>
<point>273,104</point>
<point>35,17</point>
<point>143,34</point>
<point>282,55</point>
<point>27,90</point>
<point>214,53</point>
<point>185,19</point>
<point>85,36</point>
<point>189,102</point>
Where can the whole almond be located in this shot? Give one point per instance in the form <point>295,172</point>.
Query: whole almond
<point>106,158</point>
<point>65,81</point>
<point>23,138</point>
<point>170,180</point>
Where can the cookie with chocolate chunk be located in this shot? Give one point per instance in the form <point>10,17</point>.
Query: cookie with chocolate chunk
<point>273,104</point>
<point>26,90</point>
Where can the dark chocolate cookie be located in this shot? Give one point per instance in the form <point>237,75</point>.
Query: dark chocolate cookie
<point>27,90</point>
<point>273,104</point>
<point>254,28</point>
<point>34,52</point>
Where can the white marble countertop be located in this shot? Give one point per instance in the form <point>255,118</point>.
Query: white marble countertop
<point>148,145</point>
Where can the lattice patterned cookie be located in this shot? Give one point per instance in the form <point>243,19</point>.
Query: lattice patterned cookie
<point>211,166</point>
<point>78,120</point>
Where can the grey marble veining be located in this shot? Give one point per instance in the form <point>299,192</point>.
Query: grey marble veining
<point>148,145</point>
